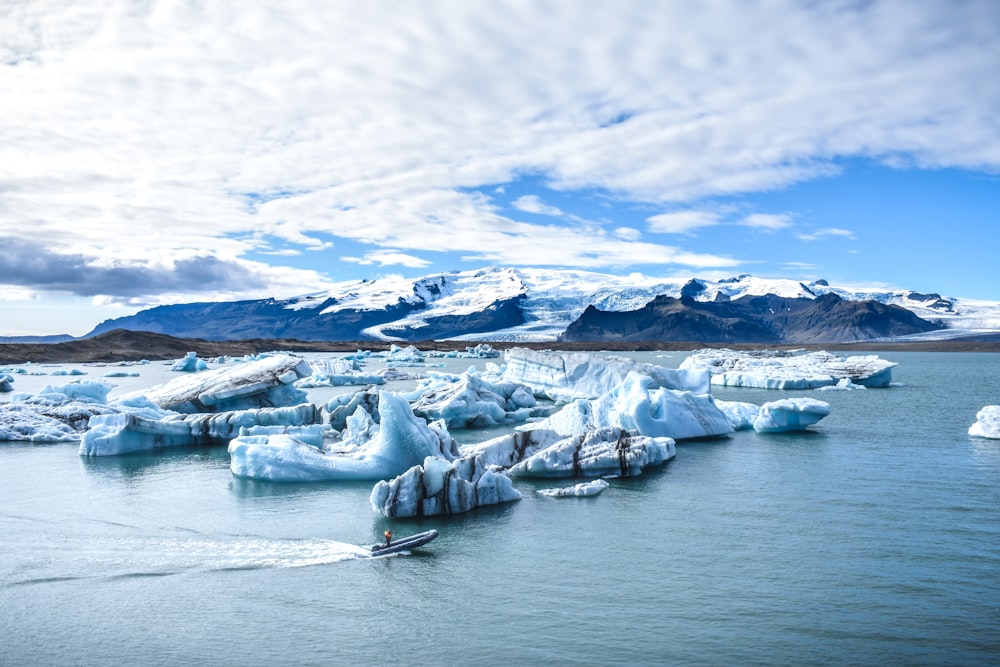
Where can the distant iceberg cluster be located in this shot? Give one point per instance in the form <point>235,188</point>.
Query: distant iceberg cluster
<point>568,416</point>
<point>775,369</point>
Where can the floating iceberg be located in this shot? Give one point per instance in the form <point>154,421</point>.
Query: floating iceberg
<point>740,415</point>
<point>635,405</point>
<point>262,383</point>
<point>469,401</point>
<point>6,382</point>
<point>772,369</point>
<point>565,376</point>
<point>189,364</point>
<point>987,423</point>
<point>591,488</point>
<point>597,453</point>
<point>790,414</point>
<point>338,373</point>
<point>148,430</point>
<point>402,441</point>
<point>507,450</point>
<point>55,414</point>
<point>443,487</point>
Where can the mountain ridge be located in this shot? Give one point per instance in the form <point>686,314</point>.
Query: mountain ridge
<point>507,304</point>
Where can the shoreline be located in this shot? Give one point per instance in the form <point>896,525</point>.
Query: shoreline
<point>122,346</point>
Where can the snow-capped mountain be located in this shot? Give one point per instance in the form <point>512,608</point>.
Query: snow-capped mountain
<point>506,304</point>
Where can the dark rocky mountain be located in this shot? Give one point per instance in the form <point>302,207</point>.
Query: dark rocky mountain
<point>767,319</point>
<point>271,318</point>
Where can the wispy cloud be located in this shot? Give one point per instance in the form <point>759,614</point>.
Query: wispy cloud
<point>768,222</point>
<point>829,231</point>
<point>681,222</point>
<point>534,204</point>
<point>389,258</point>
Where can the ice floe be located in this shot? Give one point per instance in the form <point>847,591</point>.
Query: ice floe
<point>190,363</point>
<point>262,383</point>
<point>639,405</point>
<point>469,401</point>
<point>597,453</point>
<point>565,376</point>
<point>402,441</point>
<point>443,487</point>
<point>591,488</point>
<point>789,414</point>
<point>776,369</point>
<point>55,414</point>
<point>151,429</point>
<point>987,423</point>
<point>338,373</point>
<point>6,382</point>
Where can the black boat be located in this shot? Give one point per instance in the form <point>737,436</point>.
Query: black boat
<point>404,543</point>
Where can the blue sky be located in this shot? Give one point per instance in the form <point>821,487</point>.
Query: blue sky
<point>167,152</point>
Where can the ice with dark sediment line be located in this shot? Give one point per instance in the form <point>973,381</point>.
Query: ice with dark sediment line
<point>262,383</point>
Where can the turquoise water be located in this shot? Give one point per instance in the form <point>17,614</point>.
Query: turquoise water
<point>872,539</point>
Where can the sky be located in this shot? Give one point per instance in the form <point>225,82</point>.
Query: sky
<point>178,151</point>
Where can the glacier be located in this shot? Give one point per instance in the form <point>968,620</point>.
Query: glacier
<point>987,423</point>
<point>776,369</point>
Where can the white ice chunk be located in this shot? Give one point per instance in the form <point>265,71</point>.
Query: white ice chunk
<point>790,414</point>
<point>598,453</point>
<point>443,487</point>
<point>775,369</point>
<point>338,373</point>
<point>133,431</point>
<point>403,440</point>
<point>471,402</point>
<point>506,450</point>
<point>55,414</point>
<point>564,376</point>
<point>740,415</point>
<point>591,488</point>
<point>6,382</point>
<point>261,383</point>
<point>634,405</point>
<point>987,423</point>
<point>189,364</point>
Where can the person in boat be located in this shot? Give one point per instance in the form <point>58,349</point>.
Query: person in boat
<point>388,538</point>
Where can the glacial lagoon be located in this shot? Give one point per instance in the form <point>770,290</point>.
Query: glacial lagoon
<point>871,538</point>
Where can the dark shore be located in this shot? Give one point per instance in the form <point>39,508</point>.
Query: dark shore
<point>121,345</point>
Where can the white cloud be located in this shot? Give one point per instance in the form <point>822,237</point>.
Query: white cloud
<point>137,131</point>
<point>768,222</point>
<point>829,231</point>
<point>681,222</point>
<point>389,258</point>
<point>534,204</point>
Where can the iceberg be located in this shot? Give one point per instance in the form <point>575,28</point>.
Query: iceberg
<point>189,364</point>
<point>776,369</point>
<point>636,404</point>
<point>6,382</point>
<point>987,423</point>
<point>338,373</point>
<point>790,414</point>
<point>469,401</point>
<point>55,414</point>
<point>565,376</point>
<point>591,488</point>
<point>507,450</point>
<point>602,452</point>
<point>151,429</point>
<point>403,440</point>
<point>740,415</point>
<point>263,383</point>
<point>440,487</point>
